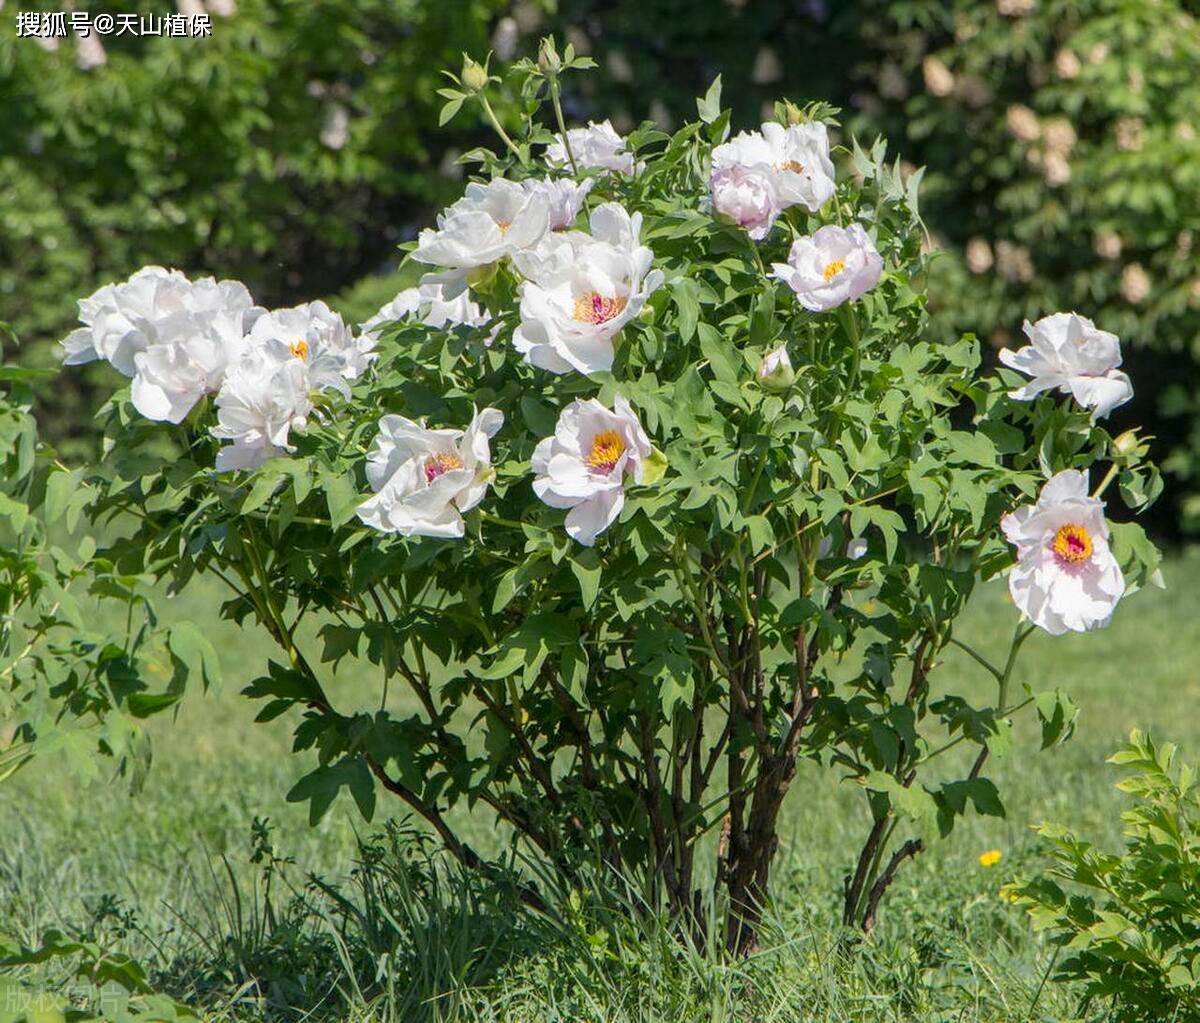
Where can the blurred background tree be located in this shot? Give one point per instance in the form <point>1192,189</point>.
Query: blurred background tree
<point>296,146</point>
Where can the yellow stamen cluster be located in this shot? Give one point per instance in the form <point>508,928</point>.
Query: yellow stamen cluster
<point>595,308</point>
<point>795,166</point>
<point>299,349</point>
<point>607,449</point>
<point>504,225</point>
<point>1072,544</point>
<point>440,464</point>
<point>833,268</point>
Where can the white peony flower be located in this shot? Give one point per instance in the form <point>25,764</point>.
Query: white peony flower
<point>563,198</point>
<point>1065,578</point>
<point>170,377</point>
<point>425,479</point>
<point>265,395</point>
<point>832,266</point>
<point>429,304</point>
<point>317,336</point>
<point>581,290</point>
<point>746,196</point>
<point>489,222</point>
<point>153,306</point>
<point>584,465</point>
<point>1067,352</point>
<point>795,158</point>
<point>174,336</point>
<point>597,145</point>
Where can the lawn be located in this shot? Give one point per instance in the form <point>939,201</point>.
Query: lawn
<point>168,874</point>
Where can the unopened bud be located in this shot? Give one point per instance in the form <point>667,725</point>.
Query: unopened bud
<point>548,60</point>
<point>474,75</point>
<point>775,372</point>
<point>1127,443</point>
<point>793,113</point>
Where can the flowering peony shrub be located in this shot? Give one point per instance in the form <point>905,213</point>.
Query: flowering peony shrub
<point>627,524</point>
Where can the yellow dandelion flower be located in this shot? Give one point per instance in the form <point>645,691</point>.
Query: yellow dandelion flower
<point>990,858</point>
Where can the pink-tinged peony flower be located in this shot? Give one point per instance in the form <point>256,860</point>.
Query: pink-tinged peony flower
<point>425,479</point>
<point>1066,578</point>
<point>563,198</point>
<point>832,266</point>
<point>598,146</point>
<point>584,464</point>
<point>1068,352</point>
<point>581,290</point>
<point>795,159</point>
<point>746,196</point>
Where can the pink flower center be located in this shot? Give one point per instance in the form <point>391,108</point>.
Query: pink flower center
<point>440,464</point>
<point>595,308</point>
<point>607,449</point>
<point>1072,544</point>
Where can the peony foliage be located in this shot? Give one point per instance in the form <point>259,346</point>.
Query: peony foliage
<point>627,524</point>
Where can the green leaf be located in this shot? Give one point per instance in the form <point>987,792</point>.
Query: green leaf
<point>709,108</point>
<point>685,293</point>
<point>193,650</point>
<point>320,787</point>
<point>340,496</point>
<point>587,568</point>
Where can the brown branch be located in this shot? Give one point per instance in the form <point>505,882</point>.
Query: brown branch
<point>907,850</point>
<point>650,792</point>
<point>853,886</point>
<point>536,767</point>
<point>458,848</point>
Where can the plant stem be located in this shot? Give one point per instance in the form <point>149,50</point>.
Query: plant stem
<point>495,123</point>
<point>1108,478</point>
<point>562,124</point>
<point>996,673</point>
<point>850,322</point>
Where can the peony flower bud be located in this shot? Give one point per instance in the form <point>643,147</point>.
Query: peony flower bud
<point>474,75</point>
<point>548,60</point>
<point>775,372</point>
<point>1127,443</point>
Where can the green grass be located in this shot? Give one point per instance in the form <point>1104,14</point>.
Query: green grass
<point>167,876</point>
